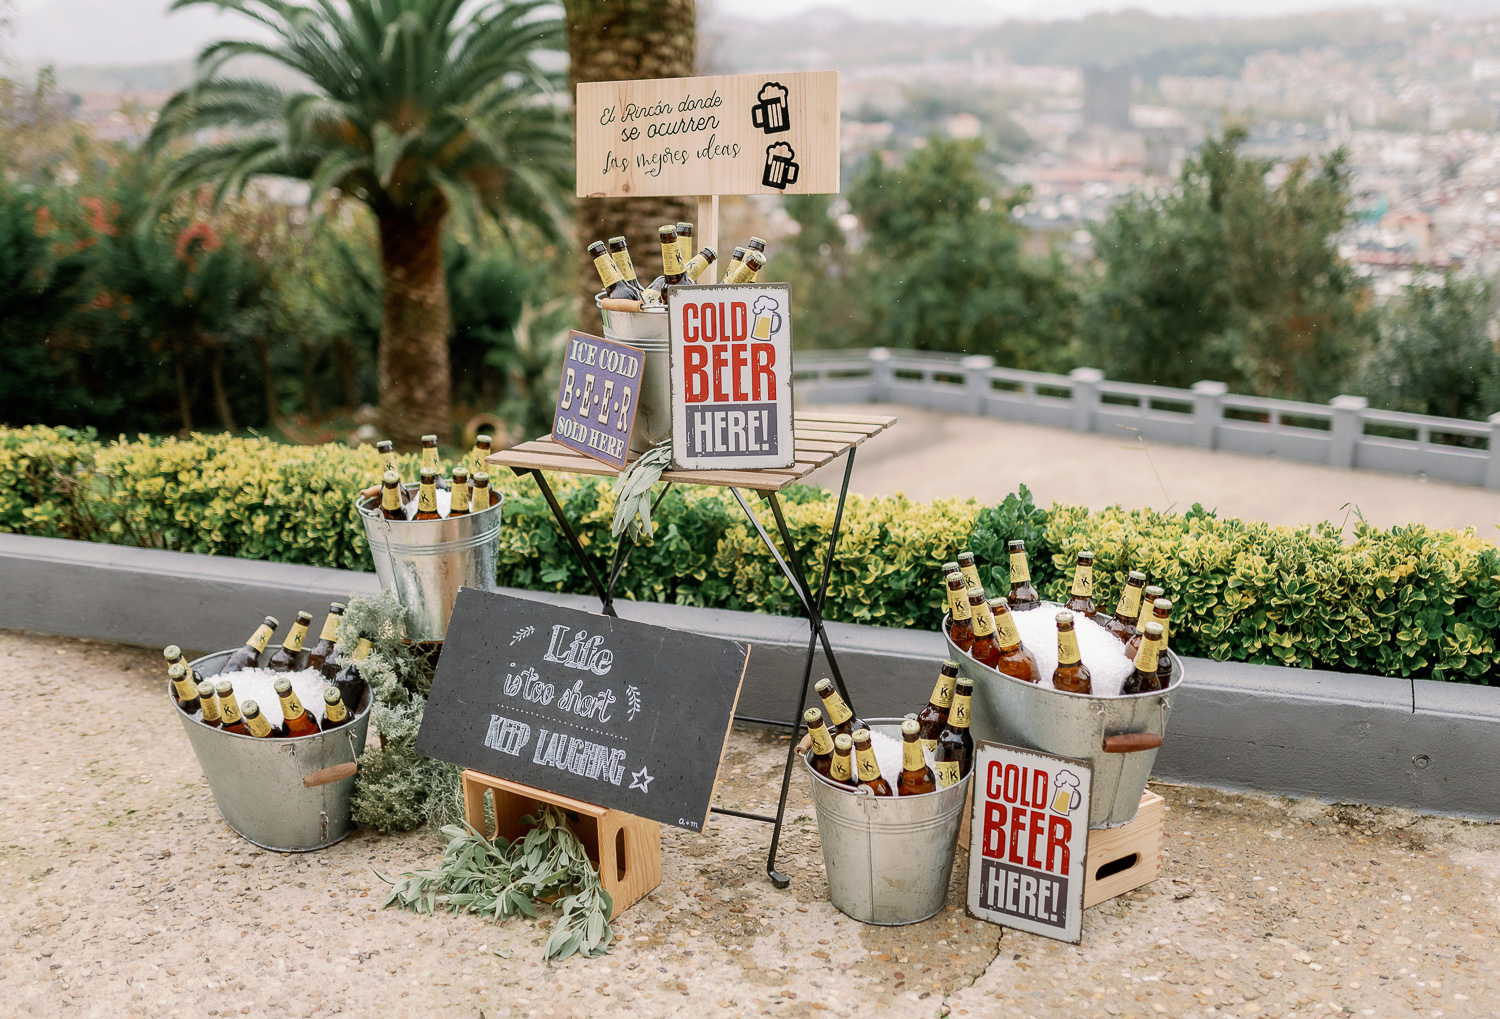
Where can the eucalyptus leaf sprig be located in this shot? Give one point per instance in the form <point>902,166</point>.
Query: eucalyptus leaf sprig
<point>633,486</point>
<point>501,879</point>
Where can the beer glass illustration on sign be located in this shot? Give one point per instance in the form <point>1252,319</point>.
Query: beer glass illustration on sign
<point>781,168</point>
<point>772,114</point>
<point>767,318</point>
<point>1065,795</point>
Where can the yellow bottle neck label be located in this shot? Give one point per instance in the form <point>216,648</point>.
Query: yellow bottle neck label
<point>929,745</point>
<point>427,499</point>
<point>335,712</point>
<point>186,689</point>
<point>210,708</point>
<point>958,717</point>
<point>1130,602</point>
<point>430,457</point>
<point>822,743</point>
<point>838,711</point>
<point>671,259</point>
<point>839,770</point>
<point>741,273</point>
<point>390,498</point>
<point>942,691</point>
<point>869,768</point>
<point>330,628</point>
<point>911,755</point>
<point>1147,657</point>
<point>1162,650</point>
<point>695,266</point>
<point>1067,648</point>
<point>361,650</point>
<point>1020,573</point>
<point>388,462</point>
<point>623,263</point>
<point>609,273</point>
<point>1006,633</point>
<point>258,725</point>
<point>947,772</point>
<point>260,638</point>
<point>1147,613</point>
<point>291,707</point>
<point>229,709</point>
<point>958,605</point>
<point>685,248</point>
<point>1083,582</point>
<point>971,575</point>
<point>983,621</point>
<point>296,638</point>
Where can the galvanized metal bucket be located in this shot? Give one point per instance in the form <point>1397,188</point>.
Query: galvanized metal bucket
<point>425,562</point>
<point>290,795</point>
<point>888,858</point>
<point>647,332</point>
<point>1119,736</point>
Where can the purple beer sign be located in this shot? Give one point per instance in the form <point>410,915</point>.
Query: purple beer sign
<point>596,401</point>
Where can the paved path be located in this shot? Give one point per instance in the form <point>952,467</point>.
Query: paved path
<point>929,454</point>
<point>123,894</point>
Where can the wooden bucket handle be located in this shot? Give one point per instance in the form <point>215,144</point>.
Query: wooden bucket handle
<point>1131,742</point>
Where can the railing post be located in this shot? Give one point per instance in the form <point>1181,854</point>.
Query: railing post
<point>1492,469</point>
<point>1085,397</point>
<point>1347,427</point>
<point>882,375</point>
<point>976,382</point>
<point>1207,409</point>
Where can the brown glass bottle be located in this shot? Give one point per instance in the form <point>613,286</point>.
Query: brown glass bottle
<point>392,504</point>
<point>1022,597</point>
<point>1081,594</point>
<point>615,285</point>
<point>184,687</point>
<point>1015,660</point>
<point>985,649</point>
<point>960,616</point>
<point>1162,615</point>
<point>1072,676</point>
<point>699,263</point>
<point>481,498</point>
<point>1122,625</point>
<point>955,749</point>
<point>430,458</point>
<point>757,245</point>
<point>747,270</point>
<point>256,724</point>
<point>916,777</point>
<point>208,704</point>
<point>482,445</point>
<point>459,505</point>
<point>323,649</point>
<point>619,252</point>
<point>736,259</point>
<point>673,264</point>
<point>685,234</point>
<point>230,716</point>
<point>387,450</point>
<point>1149,598</point>
<point>1143,678</point>
<point>820,754</point>
<point>930,720</point>
<point>350,683</point>
<point>427,496</point>
<point>841,717</point>
<point>248,655</point>
<point>866,767</point>
<point>173,654</point>
<point>841,769</point>
<point>334,712</point>
<point>291,657</point>
<point>295,719</point>
<point>969,567</point>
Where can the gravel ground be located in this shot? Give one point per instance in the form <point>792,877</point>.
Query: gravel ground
<point>125,895</point>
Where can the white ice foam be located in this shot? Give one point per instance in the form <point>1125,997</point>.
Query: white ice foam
<point>888,754</point>
<point>1101,652</point>
<point>259,685</point>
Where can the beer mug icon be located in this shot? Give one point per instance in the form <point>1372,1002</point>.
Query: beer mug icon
<point>1065,795</point>
<point>767,318</point>
<point>772,114</point>
<point>781,168</point>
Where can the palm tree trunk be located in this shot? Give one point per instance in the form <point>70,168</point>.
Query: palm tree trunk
<point>621,40</point>
<point>184,402</point>
<point>415,381</point>
<point>221,395</point>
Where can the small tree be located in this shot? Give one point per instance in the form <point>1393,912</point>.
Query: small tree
<point>1434,353</point>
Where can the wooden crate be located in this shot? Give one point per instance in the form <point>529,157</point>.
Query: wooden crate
<point>1130,853</point>
<point>626,849</point>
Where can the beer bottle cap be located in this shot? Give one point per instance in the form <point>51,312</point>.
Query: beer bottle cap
<point>708,253</point>
<point>429,474</point>
<point>483,440</point>
<point>1153,629</point>
<point>1000,602</point>
<point>1065,619</point>
<point>617,241</point>
<point>1016,546</point>
<point>755,260</point>
<point>910,727</point>
<point>950,567</point>
<point>385,446</point>
<point>949,663</point>
<point>843,742</point>
<point>249,709</point>
<point>304,617</point>
<point>597,248</point>
<point>1162,605</point>
<point>205,689</point>
<point>812,716</point>
<point>336,606</point>
<point>176,670</point>
<point>965,554</point>
<point>685,228</point>
<point>669,230</point>
<point>460,473</point>
<point>272,622</point>
<point>481,478</point>
<point>282,686</point>
<point>823,685</point>
<point>224,688</point>
<point>964,681</point>
<point>391,479</point>
<point>429,440</point>
<point>861,735</point>
<point>171,652</point>
<point>1153,592</point>
<point>1086,554</point>
<point>1137,576</point>
<point>331,694</point>
<point>976,591</point>
<point>756,243</point>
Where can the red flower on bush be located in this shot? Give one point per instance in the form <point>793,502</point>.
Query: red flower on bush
<point>99,220</point>
<point>200,234</point>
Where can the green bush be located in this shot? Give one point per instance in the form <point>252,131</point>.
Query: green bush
<point>1409,601</point>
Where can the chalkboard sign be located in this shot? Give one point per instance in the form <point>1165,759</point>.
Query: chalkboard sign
<point>610,711</point>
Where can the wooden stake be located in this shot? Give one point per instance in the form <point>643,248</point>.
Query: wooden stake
<point>708,233</point>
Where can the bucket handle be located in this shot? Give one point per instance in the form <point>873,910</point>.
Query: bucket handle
<point>333,773</point>
<point>1133,742</point>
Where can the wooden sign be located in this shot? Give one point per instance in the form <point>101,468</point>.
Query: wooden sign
<point>1029,840</point>
<point>596,402</point>
<point>731,370</point>
<point>737,134</point>
<point>613,712</point>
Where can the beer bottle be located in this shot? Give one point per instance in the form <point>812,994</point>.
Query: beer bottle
<point>248,655</point>
<point>334,712</point>
<point>609,274</point>
<point>1143,679</point>
<point>955,749</point>
<point>820,755</point>
<point>699,262</point>
<point>960,616</point>
<point>736,259</point>
<point>747,270</point>
<point>184,687</point>
<point>841,769</point>
<point>1081,594</point>
<point>291,657</point>
<point>931,719</point>
<point>209,705</point>
<point>482,446</point>
<point>481,498</point>
<point>255,723</point>
<point>1161,612</point>
<point>840,715</point>
<point>459,505</point>
<point>295,719</point>
<point>387,450</point>
<point>685,231</point>
<point>392,497</point>
<point>430,459</point>
<point>323,649</point>
<point>1023,597</point>
<point>1149,594</point>
<point>1015,660</point>
<point>1128,608</point>
<point>1072,676</point>
<point>673,265</point>
<point>985,649</point>
<point>427,496</point>
<point>229,708</point>
<point>970,569</point>
<point>866,767</point>
<point>757,245</point>
<point>350,683</point>
<point>619,251</point>
<point>916,777</point>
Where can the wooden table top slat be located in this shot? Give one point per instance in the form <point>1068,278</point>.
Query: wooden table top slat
<point>884,421</point>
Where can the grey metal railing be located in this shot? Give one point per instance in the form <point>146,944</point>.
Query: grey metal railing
<point>1344,432</point>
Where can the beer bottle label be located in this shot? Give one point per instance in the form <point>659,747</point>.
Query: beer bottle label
<point>430,457</point>
<point>1130,602</point>
<point>958,718</point>
<point>947,773</point>
<point>186,689</point>
<point>929,745</point>
<point>1067,648</point>
<point>695,266</point>
<point>609,273</point>
<point>460,499</point>
<point>1019,573</point>
<point>839,770</point>
<point>388,461</point>
<point>1161,650</point>
<point>942,692</point>
<point>1083,582</point>
<point>1006,632</point>
<point>869,768</point>
<point>291,707</point>
<point>971,575</point>
<point>295,639</point>
<point>210,708</point>
<point>260,638</point>
<point>1146,658</point>
<point>822,743</point>
<point>740,273</point>
<point>229,709</point>
<point>335,712</point>
<point>258,725</point>
<point>623,263</point>
<point>1147,613</point>
<point>958,604</point>
<point>671,260</point>
<point>361,650</point>
<point>838,711</point>
<point>911,755</point>
<point>428,501</point>
<point>330,628</point>
<point>390,498</point>
<point>983,622</point>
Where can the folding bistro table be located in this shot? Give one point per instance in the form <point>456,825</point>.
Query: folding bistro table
<point>818,439</point>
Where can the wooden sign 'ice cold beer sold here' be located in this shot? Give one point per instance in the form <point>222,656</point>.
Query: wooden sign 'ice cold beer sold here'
<point>731,376</point>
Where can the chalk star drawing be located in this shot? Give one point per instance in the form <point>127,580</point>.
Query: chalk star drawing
<point>640,780</point>
<point>633,696</point>
<point>522,634</point>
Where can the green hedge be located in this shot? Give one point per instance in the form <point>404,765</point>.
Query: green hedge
<point>1409,601</point>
